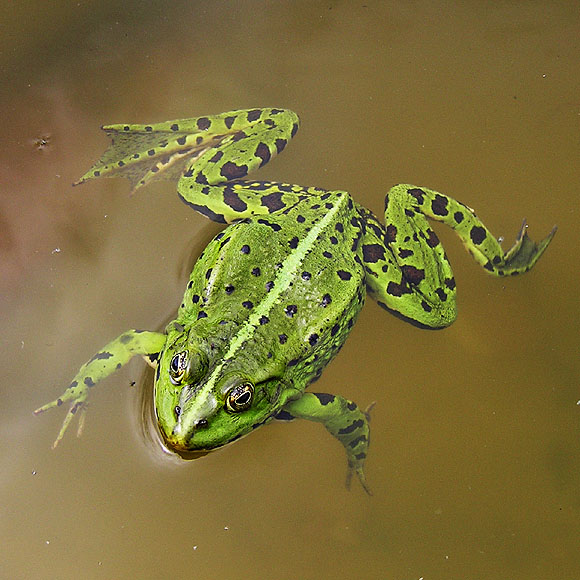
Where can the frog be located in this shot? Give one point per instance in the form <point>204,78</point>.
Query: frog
<point>273,297</point>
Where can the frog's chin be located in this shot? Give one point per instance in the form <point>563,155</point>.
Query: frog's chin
<point>181,448</point>
<point>188,454</point>
<point>185,451</point>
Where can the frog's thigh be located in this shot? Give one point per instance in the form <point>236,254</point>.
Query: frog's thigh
<point>213,184</point>
<point>226,203</point>
<point>406,270</point>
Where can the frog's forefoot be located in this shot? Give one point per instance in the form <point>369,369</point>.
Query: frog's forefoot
<point>355,465</point>
<point>105,362</point>
<point>77,407</point>
<point>352,468</point>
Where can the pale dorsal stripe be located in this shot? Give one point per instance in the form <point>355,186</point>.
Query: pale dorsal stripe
<point>286,274</point>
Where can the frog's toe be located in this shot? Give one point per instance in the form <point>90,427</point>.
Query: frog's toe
<point>56,403</point>
<point>76,407</point>
<point>367,411</point>
<point>79,407</point>
<point>525,252</point>
<point>361,477</point>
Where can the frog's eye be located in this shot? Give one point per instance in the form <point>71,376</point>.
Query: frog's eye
<point>240,397</point>
<point>178,367</point>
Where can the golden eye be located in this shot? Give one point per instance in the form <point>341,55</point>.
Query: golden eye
<point>240,397</point>
<point>178,367</point>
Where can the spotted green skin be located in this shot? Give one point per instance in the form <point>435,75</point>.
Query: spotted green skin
<point>273,297</point>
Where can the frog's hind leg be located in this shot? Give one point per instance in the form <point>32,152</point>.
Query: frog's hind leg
<point>477,239</point>
<point>211,149</point>
<point>214,184</point>
<point>343,419</point>
<point>407,269</point>
<point>411,279</point>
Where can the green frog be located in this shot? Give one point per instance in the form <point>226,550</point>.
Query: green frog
<point>273,297</point>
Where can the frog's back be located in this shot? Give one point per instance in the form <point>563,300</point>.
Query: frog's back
<point>289,284</point>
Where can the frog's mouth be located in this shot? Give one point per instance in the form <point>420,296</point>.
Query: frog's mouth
<point>187,454</point>
<point>186,448</point>
<point>180,448</point>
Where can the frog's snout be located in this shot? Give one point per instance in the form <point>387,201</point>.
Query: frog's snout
<point>182,440</point>
<point>192,419</point>
<point>183,433</point>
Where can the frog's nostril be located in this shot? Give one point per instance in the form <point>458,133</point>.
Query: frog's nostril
<point>201,423</point>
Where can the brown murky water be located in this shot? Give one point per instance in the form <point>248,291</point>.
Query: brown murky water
<point>475,460</point>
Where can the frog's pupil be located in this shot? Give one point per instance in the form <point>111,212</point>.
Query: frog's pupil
<point>243,399</point>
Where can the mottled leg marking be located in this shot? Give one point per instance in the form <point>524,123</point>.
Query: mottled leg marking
<point>109,359</point>
<point>210,156</point>
<point>407,269</point>
<point>411,279</point>
<point>214,183</point>
<point>478,240</point>
<point>343,419</point>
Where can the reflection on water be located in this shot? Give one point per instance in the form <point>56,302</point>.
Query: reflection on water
<point>475,455</point>
<point>145,420</point>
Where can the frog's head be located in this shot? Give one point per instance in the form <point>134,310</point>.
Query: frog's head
<point>201,407</point>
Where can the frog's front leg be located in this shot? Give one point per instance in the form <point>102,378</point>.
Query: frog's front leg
<point>407,270</point>
<point>343,419</point>
<point>109,359</point>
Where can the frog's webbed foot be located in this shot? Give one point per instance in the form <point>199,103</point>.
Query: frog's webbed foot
<point>408,272</point>
<point>172,149</point>
<point>525,252</point>
<point>344,420</point>
<point>144,153</point>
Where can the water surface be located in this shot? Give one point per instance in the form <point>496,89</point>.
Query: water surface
<point>475,457</point>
